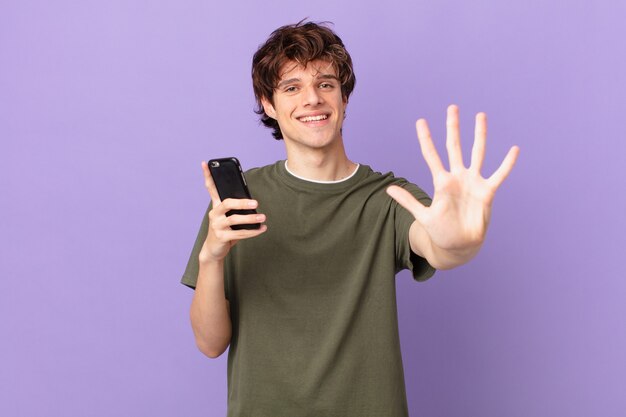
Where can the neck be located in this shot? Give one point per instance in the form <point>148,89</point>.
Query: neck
<point>320,164</point>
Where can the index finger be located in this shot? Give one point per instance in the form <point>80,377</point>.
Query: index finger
<point>210,184</point>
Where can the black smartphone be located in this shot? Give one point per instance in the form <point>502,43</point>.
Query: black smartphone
<point>230,183</point>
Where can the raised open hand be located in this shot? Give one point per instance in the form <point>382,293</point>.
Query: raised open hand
<point>456,221</point>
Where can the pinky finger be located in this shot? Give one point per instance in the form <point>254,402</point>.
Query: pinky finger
<point>503,171</point>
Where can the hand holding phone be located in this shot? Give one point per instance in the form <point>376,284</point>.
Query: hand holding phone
<point>221,237</point>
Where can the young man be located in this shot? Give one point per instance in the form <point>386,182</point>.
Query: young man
<point>307,302</point>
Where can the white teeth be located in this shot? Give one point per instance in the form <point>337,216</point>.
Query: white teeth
<point>313,118</point>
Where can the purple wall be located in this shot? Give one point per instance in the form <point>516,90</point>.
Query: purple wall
<point>107,109</point>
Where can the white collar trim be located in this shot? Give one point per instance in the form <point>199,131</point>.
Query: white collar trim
<point>324,182</point>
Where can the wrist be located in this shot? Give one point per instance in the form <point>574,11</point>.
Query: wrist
<point>211,274</point>
<point>210,254</point>
<point>206,260</point>
<point>448,258</point>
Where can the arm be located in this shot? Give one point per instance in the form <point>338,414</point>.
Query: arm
<point>210,311</point>
<point>452,230</point>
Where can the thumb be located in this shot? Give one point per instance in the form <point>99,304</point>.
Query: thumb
<point>407,200</point>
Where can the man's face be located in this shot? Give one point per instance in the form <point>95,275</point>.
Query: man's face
<point>308,105</point>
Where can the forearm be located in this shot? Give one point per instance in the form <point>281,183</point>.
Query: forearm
<point>210,312</point>
<point>439,257</point>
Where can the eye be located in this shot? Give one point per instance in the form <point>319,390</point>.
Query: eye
<point>291,89</point>
<point>326,85</point>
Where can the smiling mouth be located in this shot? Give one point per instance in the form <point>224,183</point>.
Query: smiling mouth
<point>318,118</point>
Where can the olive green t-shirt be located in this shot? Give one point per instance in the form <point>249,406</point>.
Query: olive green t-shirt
<point>313,301</point>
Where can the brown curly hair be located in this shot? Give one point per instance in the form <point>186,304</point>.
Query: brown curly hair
<point>302,43</point>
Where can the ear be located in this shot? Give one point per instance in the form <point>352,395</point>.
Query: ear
<point>268,108</point>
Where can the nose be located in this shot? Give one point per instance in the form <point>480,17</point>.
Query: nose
<point>312,96</point>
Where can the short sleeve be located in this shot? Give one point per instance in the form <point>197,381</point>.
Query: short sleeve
<point>190,276</point>
<point>406,258</point>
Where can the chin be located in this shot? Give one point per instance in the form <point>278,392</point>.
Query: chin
<point>321,140</point>
<point>318,143</point>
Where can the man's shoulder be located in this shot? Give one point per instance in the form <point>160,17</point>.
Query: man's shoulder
<point>261,168</point>
<point>383,180</point>
<point>387,178</point>
<point>263,179</point>
<point>258,172</point>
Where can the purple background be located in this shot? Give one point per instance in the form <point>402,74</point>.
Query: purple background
<point>107,109</point>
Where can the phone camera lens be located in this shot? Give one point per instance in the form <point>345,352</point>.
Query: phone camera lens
<point>215,164</point>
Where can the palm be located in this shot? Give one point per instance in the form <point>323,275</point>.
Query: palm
<point>460,210</point>
<point>461,206</point>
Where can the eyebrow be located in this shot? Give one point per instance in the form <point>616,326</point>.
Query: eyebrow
<point>295,80</point>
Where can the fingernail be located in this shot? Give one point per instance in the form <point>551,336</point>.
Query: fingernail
<point>252,204</point>
<point>260,217</point>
